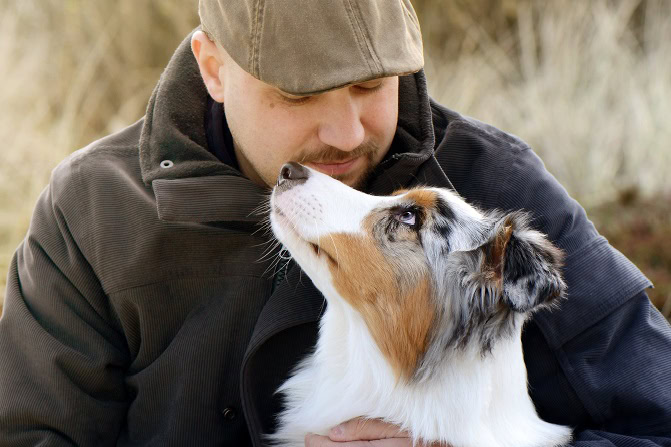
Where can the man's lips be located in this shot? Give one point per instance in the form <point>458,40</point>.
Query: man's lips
<point>335,168</point>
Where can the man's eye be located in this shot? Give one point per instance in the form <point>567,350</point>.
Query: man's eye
<point>370,87</point>
<point>296,100</point>
<point>407,217</point>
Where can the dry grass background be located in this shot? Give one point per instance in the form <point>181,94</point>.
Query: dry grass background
<point>586,83</point>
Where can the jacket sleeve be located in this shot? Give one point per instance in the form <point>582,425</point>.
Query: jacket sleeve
<point>611,347</point>
<point>62,360</point>
<point>612,382</point>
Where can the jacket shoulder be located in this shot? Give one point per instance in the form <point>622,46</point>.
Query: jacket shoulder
<point>96,157</point>
<point>497,170</point>
<point>475,155</point>
<point>96,195</point>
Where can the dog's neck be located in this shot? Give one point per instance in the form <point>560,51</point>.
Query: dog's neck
<point>473,389</point>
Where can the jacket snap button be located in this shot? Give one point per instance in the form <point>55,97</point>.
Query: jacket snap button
<point>228,413</point>
<point>167,164</point>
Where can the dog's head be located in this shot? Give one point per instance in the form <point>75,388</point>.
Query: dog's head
<point>426,271</point>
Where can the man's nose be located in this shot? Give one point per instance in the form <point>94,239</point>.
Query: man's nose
<point>340,125</point>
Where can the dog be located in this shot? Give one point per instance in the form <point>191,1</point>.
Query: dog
<point>426,298</point>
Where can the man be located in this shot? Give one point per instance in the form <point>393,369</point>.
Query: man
<point>140,308</point>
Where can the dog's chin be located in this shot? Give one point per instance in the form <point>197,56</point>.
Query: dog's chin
<point>313,260</point>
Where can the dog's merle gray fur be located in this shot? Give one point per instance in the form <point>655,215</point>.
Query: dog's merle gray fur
<point>508,270</point>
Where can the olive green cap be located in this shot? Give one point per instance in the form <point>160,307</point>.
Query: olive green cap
<point>304,47</point>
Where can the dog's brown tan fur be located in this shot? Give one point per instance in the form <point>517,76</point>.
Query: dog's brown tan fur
<point>399,318</point>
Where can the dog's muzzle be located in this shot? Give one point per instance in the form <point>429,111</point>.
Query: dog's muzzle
<point>291,174</point>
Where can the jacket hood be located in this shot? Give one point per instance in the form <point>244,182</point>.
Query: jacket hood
<point>174,130</point>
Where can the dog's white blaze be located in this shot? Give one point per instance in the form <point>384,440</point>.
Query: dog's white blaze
<point>476,400</point>
<point>324,205</point>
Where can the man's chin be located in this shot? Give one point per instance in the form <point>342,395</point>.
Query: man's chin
<point>356,180</point>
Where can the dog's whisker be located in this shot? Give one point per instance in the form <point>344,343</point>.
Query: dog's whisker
<point>280,258</point>
<point>271,244</point>
<point>262,208</point>
<point>269,252</point>
<point>263,228</point>
<point>268,242</point>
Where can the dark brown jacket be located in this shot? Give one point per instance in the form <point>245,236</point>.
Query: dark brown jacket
<point>140,309</point>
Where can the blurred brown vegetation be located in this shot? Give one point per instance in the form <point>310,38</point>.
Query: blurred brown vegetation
<point>641,229</point>
<point>586,83</point>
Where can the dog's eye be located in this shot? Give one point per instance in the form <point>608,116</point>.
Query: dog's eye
<point>407,217</point>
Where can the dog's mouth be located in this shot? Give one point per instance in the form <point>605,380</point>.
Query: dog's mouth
<point>315,248</point>
<point>289,226</point>
<point>321,253</point>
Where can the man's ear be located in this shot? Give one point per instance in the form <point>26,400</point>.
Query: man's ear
<point>524,266</point>
<point>210,62</point>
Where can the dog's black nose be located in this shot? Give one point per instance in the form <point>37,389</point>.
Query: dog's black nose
<point>292,173</point>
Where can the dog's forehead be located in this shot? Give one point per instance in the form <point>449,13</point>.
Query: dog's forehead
<point>438,200</point>
<point>422,197</point>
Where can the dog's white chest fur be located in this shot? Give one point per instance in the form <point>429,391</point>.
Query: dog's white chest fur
<point>475,401</point>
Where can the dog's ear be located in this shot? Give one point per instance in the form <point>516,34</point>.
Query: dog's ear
<point>524,266</point>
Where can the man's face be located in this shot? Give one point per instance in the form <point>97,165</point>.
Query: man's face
<point>344,133</point>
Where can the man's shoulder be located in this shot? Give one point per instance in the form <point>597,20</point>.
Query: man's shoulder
<point>495,169</point>
<point>480,159</point>
<point>97,198</point>
<point>97,165</point>
<point>96,190</point>
<point>457,127</point>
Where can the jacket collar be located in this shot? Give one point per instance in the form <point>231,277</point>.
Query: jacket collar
<point>197,187</point>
